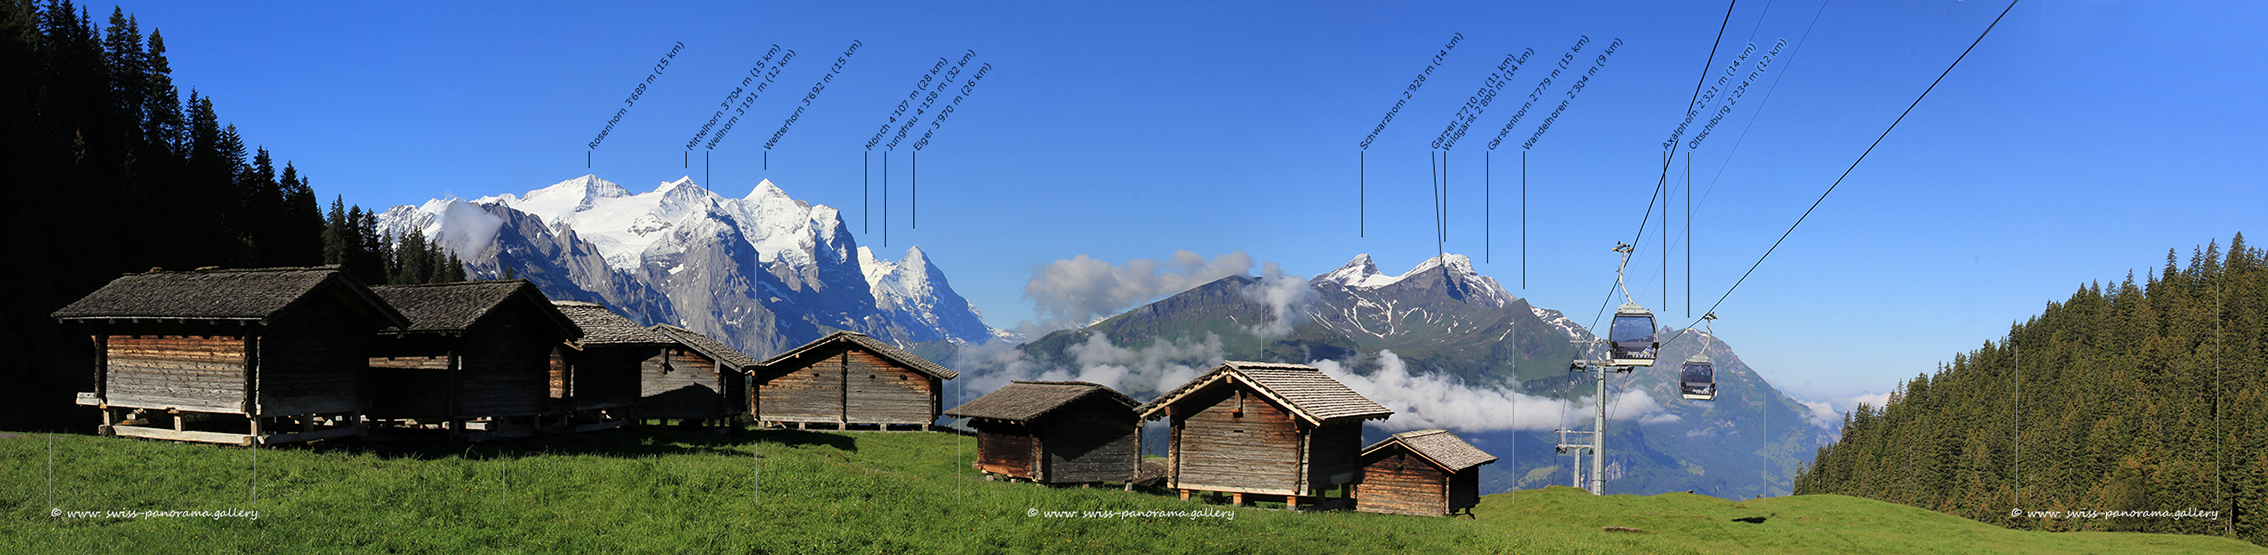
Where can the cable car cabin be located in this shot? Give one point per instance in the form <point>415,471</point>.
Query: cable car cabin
<point>248,357</point>
<point>1630,338</point>
<point>1699,379</point>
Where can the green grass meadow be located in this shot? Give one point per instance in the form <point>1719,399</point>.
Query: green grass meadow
<point>666,491</point>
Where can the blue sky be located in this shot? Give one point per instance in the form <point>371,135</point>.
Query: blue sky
<point>2077,142</point>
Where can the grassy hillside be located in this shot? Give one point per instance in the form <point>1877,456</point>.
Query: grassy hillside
<point>670,492</point>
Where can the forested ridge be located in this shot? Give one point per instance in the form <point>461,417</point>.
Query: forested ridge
<point>2148,396</point>
<point>110,170</point>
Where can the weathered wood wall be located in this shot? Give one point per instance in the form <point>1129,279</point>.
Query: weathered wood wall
<point>1007,449</point>
<point>413,387</point>
<point>507,362</point>
<point>882,392</point>
<point>312,359</point>
<point>1214,449</point>
<point>810,392</point>
<point>603,376</point>
<point>1094,440</point>
<point>1464,489</point>
<point>690,386</point>
<point>1334,455</point>
<point>202,373</point>
<point>1395,481</point>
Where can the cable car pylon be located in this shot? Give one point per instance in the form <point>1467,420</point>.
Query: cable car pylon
<point>1630,343</point>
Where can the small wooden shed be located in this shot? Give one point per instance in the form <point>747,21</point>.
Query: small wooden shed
<point>1423,473</point>
<point>1257,428</point>
<point>474,351</point>
<point>1055,432</point>
<point>699,378</point>
<point>270,355</point>
<point>595,382</point>
<point>848,379</point>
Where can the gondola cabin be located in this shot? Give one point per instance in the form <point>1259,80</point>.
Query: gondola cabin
<point>475,359</point>
<point>1423,473</point>
<point>257,356</point>
<point>596,381</point>
<point>847,379</point>
<point>1698,381</point>
<point>1283,431</point>
<point>1630,337</point>
<point>1055,432</point>
<point>699,379</point>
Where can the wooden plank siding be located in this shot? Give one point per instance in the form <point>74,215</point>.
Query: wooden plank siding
<point>684,384</point>
<point>807,393</point>
<point>188,372</point>
<point>1218,447</point>
<point>1007,449</point>
<point>1398,482</point>
<point>1094,440</point>
<point>311,361</point>
<point>881,392</point>
<point>601,376</point>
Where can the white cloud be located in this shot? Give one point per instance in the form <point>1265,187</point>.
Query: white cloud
<point>1431,400</point>
<point>1073,292</point>
<point>1287,298</point>
<point>1141,373</point>
<point>1875,400</point>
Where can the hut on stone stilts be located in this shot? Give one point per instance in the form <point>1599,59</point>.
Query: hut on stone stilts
<point>1266,430</point>
<point>1055,432</point>
<point>475,359</point>
<point>256,356</point>
<point>596,381</point>
<point>1423,473</point>
<point>700,379</point>
<point>847,380</point>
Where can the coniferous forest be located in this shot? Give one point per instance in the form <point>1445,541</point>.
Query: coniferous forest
<point>2149,396</point>
<point>111,169</point>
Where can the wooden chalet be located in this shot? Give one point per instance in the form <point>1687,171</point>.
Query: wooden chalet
<point>595,381</point>
<point>247,357</point>
<point>475,354</point>
<point>848,379</point>
<point>1257,428</point>
<point>699,379</point>
<point>1423,473</point>
<point>1055,432</point>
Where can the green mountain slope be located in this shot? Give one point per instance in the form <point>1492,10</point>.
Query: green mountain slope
<point>667,492</point>
<point>2148,396</point>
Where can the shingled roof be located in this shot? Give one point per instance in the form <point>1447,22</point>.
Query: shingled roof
<point>1027,401</point>
<point>455,307</point>
<point>708,347</point>
<point>604,327</point>
<point>860,340</point>
<point>250,295</point>
<point>1437,445</point>
<point>1302,388</point>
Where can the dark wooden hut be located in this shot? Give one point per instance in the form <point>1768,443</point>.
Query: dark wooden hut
<point>256,356</point>
<point>1423,473</point>
<point>1256,428</point>
<point>699,379</point>
<point>1055,432</point>
<point>595,381</point>
<point>848,379</point>
<point>475,353</point>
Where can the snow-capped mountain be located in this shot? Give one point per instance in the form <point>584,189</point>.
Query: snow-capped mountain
<point>764,272</point>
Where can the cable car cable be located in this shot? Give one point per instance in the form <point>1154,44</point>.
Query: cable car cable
<point>1861,158</point>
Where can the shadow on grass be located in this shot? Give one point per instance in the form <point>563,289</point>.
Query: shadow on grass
<point>617,443</point>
